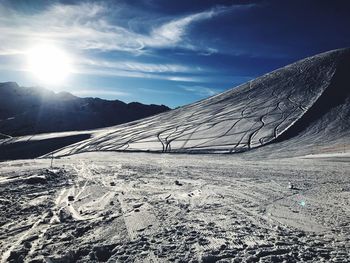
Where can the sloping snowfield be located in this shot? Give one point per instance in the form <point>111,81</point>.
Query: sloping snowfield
<point>139,207</point>
<point>270,108</point>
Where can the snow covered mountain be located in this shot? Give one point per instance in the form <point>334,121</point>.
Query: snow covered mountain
<point>309,98</point>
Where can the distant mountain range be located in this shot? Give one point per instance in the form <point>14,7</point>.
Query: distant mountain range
<point>25,111</point>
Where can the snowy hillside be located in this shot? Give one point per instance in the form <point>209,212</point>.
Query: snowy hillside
<point>310,95</point>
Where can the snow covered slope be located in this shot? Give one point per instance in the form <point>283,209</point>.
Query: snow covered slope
<point>309,98</point>
<point>251,115</point>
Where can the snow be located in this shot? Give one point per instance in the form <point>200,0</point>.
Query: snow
<point>223,207</point>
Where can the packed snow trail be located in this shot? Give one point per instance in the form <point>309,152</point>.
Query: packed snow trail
<point>168,207</point>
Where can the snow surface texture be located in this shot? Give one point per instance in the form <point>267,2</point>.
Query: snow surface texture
<point>280,105</point>
<point>139,207</point>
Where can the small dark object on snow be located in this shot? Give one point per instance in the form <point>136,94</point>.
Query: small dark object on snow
<point>178,183</point>
<point>64,215</point>
<point>112,183</point>
<point>290,185</point>
<point>137,205</point>
<point>36,179</point>
<point>70,198</point>
<point>111,203</point>
<point>51,161</point>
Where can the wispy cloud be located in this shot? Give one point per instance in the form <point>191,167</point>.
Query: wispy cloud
<point>209,52</point>
<point>124,68</point>
<point>173,32</point>
<point>159,91</point>
<point>200,90</point>
<point>137,66</point>
<point>100,93</point>
<point>138,74</point>
<point>129,69</point>
<point>88,26</point>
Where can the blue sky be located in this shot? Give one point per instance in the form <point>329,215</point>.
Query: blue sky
<point>167,52</point>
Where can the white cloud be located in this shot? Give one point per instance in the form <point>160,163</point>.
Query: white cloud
<point>137,66</point>
<point>100,93</point>
<point>172,32</point>
<point>173,72</point>
<point>200,90</point>
<point>159,91</point>
<point>88,26</point>
<point>209,52</point>
<point>98,67</point>
<point>137,74</point>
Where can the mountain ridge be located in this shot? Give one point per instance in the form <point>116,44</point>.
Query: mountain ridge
<point>33,110</point>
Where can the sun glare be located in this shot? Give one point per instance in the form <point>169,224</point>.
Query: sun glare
<point>49,64</point>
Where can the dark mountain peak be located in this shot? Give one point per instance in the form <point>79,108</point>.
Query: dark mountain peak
<point>66,95</point>
<point>9,84</point>
<point>31,110</point>
<point>134,103</point>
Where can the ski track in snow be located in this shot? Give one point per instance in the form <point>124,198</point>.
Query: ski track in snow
<point>221,208</point>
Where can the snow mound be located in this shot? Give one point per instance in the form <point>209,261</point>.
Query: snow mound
<point>275,107</point>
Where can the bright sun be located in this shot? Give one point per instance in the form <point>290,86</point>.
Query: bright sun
<point>49,64</point>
